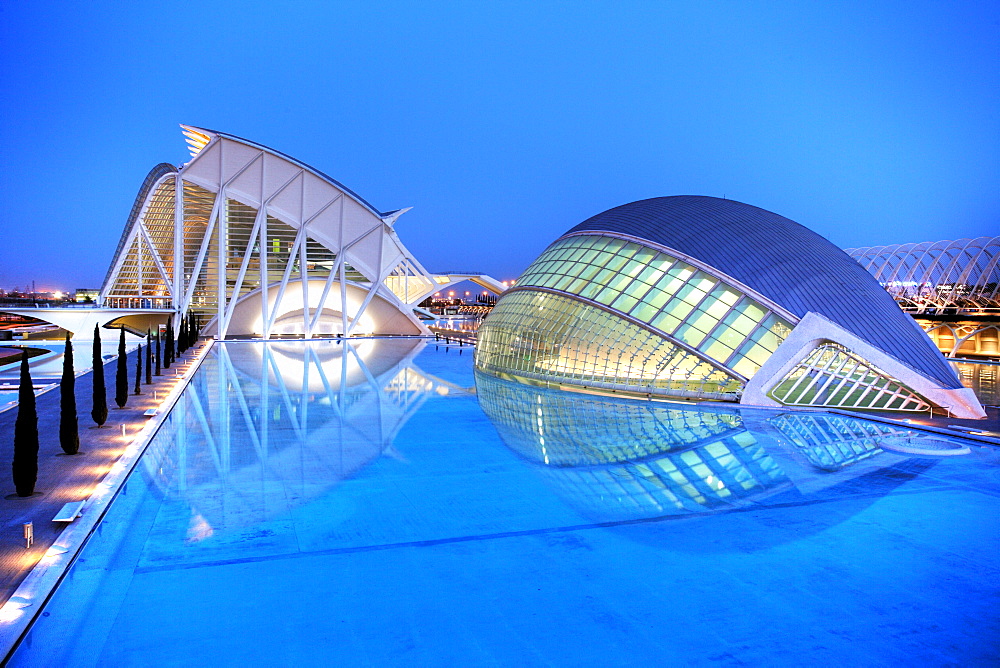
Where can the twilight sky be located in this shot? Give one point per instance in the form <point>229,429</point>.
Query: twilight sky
<point>506,123</point>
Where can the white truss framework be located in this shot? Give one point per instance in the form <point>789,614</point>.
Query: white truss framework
<point>259,244</point>
<point>834,377</point>
<point>933,275</point>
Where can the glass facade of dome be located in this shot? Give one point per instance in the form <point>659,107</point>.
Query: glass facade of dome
<point>613,314</point>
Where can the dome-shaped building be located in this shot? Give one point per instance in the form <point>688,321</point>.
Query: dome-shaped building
<point>707,298</point>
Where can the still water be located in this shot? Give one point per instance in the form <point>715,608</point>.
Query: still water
<point>372,502</point>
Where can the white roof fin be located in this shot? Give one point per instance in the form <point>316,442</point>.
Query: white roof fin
<point>390,218</point>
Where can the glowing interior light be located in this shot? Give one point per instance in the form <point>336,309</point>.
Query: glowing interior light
<point>196,140</point>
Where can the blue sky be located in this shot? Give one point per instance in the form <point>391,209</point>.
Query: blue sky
<point>505,124</point>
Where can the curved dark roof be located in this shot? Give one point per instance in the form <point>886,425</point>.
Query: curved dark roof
<point>784,261</point>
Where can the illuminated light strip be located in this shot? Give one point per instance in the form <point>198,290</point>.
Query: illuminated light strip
<point>196,140</point>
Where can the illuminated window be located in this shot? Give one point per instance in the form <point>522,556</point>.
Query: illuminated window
<point>685,303</point>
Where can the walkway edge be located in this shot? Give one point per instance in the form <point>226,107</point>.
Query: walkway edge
<point>25,604</point>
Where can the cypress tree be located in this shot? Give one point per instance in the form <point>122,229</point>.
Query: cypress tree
<point>158,358</point>
<point>138,370</point>
<point>168,347</point>
<point>149,359</point>
<point>182,344</point>
<point>69,430</point>
<point>121,373</point>
<point>25,464</point>
<point>171,341</point>
<point>99,412</point>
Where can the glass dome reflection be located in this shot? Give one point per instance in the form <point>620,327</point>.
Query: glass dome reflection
<point>623,459</point>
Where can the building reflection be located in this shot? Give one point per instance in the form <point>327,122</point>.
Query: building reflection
<point>615,460</point>
<point>983,378</point>
<point>265,427</point>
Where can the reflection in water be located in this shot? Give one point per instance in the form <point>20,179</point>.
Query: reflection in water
<point>832,442</point>
<point>625,459</point>
<point>264,427</point>
<point>983,378</point>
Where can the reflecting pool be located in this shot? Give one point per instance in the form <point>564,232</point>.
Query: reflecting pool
<point>372,502</point>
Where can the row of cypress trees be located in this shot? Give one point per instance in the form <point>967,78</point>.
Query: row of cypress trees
<point>25,463</point>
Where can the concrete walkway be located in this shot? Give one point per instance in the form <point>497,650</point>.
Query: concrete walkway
<point>62,478</point>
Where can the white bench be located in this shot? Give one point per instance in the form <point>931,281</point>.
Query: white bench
<point>69,512</point>
<point>150,412</point>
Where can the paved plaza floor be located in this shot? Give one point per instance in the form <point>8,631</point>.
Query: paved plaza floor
<point>62,478</point>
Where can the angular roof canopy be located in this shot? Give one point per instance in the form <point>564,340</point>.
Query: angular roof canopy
<point>785,262</point>
<point>198,138</point>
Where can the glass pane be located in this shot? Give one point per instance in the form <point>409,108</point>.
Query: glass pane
<point>564,282</point>
<point>607,295</point>
<point>644,311</point>
<point>716,349</point>
<point>624,303</point>
<point>666,321</point>
<point>715,306</point>
<point>753,310</point>
<point>657,298</point>
<point>690,335</point>
<point>650,275</point>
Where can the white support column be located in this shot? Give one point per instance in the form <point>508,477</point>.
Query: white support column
<point>117,268</point>
<point>241,276</point>
<point>377,285</point>
<point>140,262</point>
<point>361,309</point>
<point>177,284</point>
<point>342,254</point>
<point>334,271</point>
<point>153,253</point>
<point>206,242</point>
<point>303,272</point>
<point>304,276</point>
<point>223,231</point>
<point>285,277</point>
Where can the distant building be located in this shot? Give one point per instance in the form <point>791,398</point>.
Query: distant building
<point>706,298</point>
<point>86,296</point>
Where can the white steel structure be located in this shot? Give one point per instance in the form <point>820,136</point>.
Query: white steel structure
<point>259,244</point>
<point>932,275</point>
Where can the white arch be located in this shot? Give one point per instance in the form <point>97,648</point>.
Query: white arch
<point>963,272</point>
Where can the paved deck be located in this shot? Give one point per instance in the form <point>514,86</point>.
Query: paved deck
<point>64,478</point>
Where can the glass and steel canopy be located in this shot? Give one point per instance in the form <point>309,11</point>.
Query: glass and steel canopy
<point>612,314</point>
